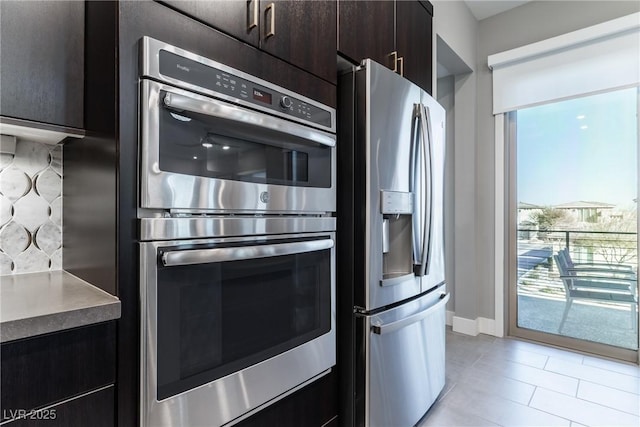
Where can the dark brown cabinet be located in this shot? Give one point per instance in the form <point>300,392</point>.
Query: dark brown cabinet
<point>397,34</point>
<point>366,30</point>
<point>70,373</point>
<point>413,41</point>
<point>239,19</point>
<point>42,61</point>
<point>302,33</point>
<point>114,30</point>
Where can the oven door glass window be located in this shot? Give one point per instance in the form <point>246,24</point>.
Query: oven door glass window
<point>201,145</point>
<point>218,318</point>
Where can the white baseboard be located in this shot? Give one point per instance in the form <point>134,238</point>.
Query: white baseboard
<point>449,320</point>
<point>487,326</point>
<point>473,327</point>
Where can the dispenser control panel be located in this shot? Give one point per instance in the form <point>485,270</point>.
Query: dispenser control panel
<point>396,202</point>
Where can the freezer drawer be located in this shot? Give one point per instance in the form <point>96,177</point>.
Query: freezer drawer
<point>404,361</point>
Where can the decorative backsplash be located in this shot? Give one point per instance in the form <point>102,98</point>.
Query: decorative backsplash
<point>31,208</point>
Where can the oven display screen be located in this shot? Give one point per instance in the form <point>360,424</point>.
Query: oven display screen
<point>262,96</point>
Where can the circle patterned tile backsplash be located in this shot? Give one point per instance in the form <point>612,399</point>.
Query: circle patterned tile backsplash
<point>31,208</point>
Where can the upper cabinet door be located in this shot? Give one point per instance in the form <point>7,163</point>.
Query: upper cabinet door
<point>414,41</point>
<point>302,33</point>
<point>42,61</point>
<point>240,19</point>
<point>366,30</point>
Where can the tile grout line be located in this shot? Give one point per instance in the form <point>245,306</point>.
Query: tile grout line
<point>570,420</point>
<point>557,364</point>
<point>591,403</point>
<point>592,381</point>
<point>602,404</point>
<point>535,388</point>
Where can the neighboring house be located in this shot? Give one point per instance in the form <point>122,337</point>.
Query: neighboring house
<point>582,211</point>
<point>525,211</point>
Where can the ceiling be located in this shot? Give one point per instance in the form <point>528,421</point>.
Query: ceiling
<point>482,9</point>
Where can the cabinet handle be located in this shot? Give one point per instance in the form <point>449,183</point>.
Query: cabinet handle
<point>394,58</point>
<point>272,21</point>
<point>252,15</point>
<point>401,61</point>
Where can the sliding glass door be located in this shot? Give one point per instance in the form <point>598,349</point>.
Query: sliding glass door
<point>573,223</point>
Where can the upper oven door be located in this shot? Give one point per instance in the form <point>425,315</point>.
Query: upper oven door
<point>205,154</point>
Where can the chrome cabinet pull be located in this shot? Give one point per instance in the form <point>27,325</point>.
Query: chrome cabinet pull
<point>394,58</point>
<point>398,62</point>
<point>272,21</point>
<point>252,14</point>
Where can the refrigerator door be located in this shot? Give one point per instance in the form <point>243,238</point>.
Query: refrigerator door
<point>404,361</point>
<point>433,140</point>
<point>387,130</point>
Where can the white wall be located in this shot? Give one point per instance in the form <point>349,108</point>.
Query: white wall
<point>446,97</point>
<point>457,28</point>
<point>455,24</point>
<point>472,223</point>
<point>526,24</point>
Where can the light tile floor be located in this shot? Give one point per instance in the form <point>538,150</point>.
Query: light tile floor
<point>506,382</point>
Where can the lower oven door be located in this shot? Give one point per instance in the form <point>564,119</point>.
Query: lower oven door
<point>404,361</point>
<point>232,324</point>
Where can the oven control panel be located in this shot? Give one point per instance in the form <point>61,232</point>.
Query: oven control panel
<point>241,87</point>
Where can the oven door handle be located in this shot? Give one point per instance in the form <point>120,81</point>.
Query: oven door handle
<point>205,256</point>
<point>216,108</point>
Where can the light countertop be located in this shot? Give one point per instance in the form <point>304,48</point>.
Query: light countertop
<point>38,303</point>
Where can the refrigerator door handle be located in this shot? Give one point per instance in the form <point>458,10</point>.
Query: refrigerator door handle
<point>399,324</point>
<point>413,177</point>
<point>427,212</point>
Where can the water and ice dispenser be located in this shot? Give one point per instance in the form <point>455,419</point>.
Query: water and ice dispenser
<point>397,234</point>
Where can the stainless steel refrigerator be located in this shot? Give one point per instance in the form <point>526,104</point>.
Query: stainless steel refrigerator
<point>391,284</point>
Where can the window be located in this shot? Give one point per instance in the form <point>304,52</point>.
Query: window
<point>576,173</point>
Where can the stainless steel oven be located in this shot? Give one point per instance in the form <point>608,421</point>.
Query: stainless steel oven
<point>237,240</point>
<point>231,324</point>
<point>217,139</point>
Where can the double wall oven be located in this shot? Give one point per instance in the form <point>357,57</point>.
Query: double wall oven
<point>237,240</point>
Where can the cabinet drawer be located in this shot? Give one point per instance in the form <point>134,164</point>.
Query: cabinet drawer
<point>95,409</point>
<point>40,371</point>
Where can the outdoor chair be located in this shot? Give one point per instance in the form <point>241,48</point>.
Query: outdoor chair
<point>594,266</point>
<point>604,287</point>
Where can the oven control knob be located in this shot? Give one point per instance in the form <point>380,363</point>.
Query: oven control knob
<point>285,102</point>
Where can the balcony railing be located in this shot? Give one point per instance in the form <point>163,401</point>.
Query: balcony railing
<point>613,247</point>
<point>541,294</point>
